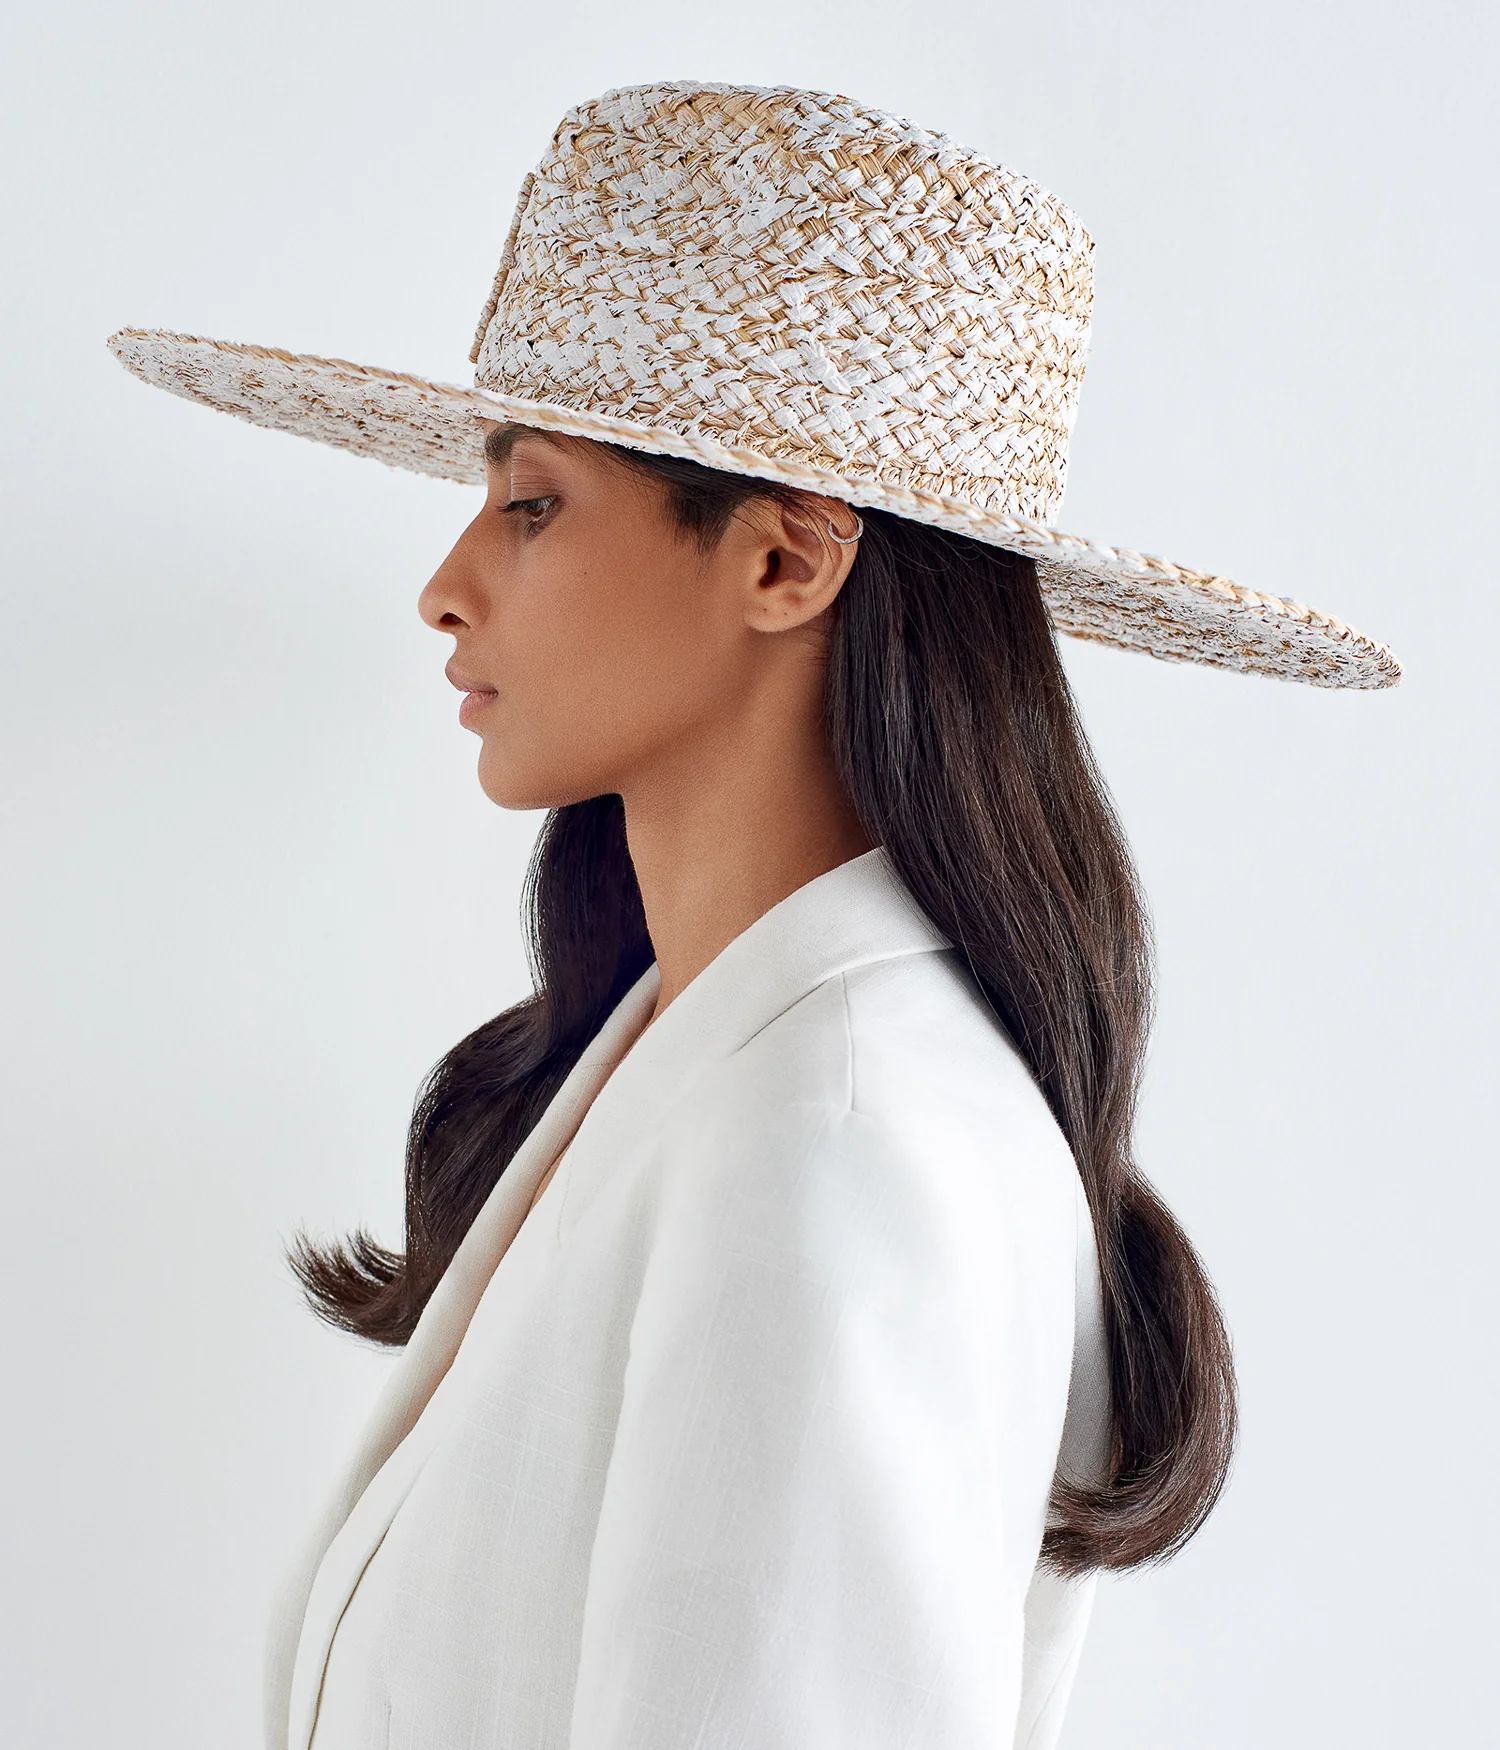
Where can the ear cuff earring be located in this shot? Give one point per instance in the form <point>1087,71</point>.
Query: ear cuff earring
<point>847,540</point>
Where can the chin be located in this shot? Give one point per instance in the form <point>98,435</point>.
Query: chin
<point>507,793</point>
<point>514,787</point>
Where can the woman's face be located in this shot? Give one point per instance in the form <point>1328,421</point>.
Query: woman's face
<point>592,638</point>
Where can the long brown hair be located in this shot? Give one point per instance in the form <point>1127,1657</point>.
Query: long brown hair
<point>958,740</point>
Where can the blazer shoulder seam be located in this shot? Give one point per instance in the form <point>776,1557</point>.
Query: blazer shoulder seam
<point>849,1105</point>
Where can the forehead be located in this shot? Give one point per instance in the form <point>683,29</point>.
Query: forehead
<point>500,440</point>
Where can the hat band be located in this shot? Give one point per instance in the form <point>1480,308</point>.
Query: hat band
<point>879,418</point>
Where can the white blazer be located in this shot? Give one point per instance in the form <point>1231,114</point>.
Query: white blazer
<point>743,1438</point>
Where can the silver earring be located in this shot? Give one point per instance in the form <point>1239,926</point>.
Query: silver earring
<point>847,540</point>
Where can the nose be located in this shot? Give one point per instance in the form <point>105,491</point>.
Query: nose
<point>449,602</point>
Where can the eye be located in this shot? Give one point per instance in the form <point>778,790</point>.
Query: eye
<point>532,511</point>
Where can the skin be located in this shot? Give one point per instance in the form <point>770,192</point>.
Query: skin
<point>601,651</point>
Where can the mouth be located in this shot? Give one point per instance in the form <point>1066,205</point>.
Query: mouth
<point>477,695</point>
<point>472,704</point>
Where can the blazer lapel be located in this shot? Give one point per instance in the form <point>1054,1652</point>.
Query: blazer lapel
<point>387,1460</point>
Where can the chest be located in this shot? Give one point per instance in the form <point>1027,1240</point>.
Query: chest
<point>471,1599</point>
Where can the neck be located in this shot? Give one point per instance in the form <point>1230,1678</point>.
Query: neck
<point>718,837</point>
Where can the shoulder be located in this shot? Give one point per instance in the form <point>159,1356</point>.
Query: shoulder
<point>894,1081</point>
<point>926,1047</point>
<point>877,1163</point>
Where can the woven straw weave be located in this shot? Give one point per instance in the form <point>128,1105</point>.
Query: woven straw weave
<point>788,273</point>
<point>789,285</point>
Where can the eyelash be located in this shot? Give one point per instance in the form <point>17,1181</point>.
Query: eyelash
<point>535,510</point>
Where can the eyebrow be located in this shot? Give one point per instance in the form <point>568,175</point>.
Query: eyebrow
<point>502,440</point>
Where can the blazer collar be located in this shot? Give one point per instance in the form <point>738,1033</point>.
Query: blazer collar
<point>851,916</point>
<point>854,914</point>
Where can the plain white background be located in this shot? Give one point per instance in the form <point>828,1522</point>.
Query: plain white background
<point>252,891</point>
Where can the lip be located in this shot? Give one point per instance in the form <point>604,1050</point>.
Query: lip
<point>473,703</point>
<point>476,694</point>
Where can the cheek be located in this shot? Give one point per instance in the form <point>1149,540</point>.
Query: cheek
<point>596,676</point>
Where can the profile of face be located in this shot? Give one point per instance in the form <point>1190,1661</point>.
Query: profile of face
<point>600,648</point>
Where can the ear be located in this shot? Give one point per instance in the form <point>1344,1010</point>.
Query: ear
<point>799,567</point>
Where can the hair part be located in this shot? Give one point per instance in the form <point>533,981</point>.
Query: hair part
<point>957,738</point>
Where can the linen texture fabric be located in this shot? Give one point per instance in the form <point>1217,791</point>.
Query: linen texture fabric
<point>742,1438</point>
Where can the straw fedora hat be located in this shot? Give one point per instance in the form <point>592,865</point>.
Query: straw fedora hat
<point>787,285</point>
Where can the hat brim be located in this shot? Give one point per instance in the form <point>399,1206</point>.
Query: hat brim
<point>1106,594</point>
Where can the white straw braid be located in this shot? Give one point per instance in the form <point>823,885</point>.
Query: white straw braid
<point>786,285</point>
<point>788,273</point>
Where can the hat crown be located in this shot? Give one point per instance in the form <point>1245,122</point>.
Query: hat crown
<point>790,275</point>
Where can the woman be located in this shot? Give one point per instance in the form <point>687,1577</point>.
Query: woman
<point>789,1335</point>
